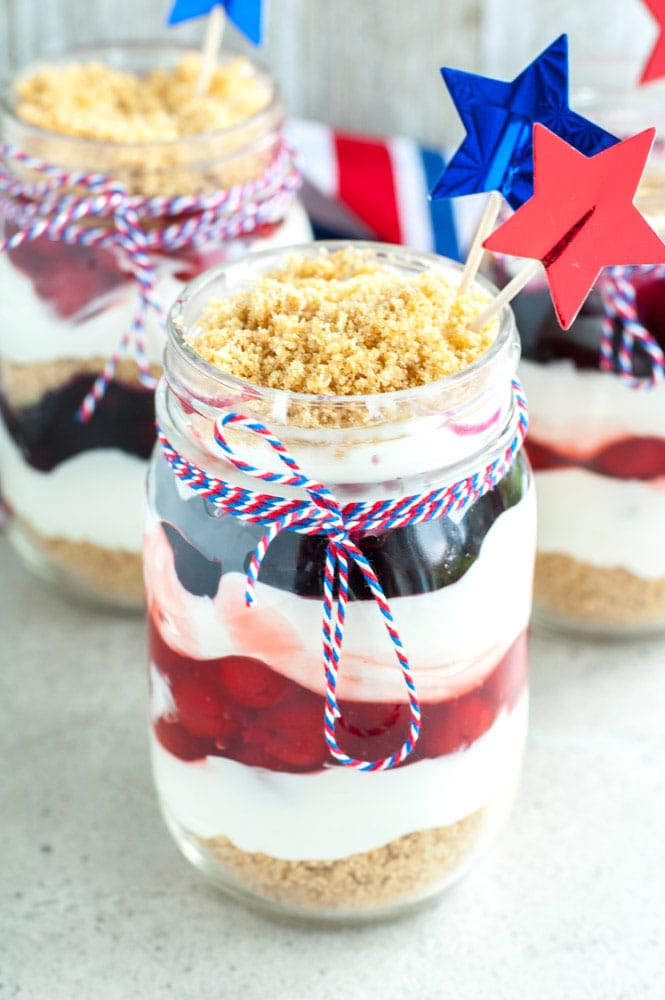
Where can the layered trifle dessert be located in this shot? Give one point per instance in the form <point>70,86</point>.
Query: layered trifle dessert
<point>363,364</point>
<point>597,447</point>
<point>596,437</point>
<point>74,487</point>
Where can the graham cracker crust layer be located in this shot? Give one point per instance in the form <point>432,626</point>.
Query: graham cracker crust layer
<point>593,594</point>
<point>112,576</point>
<point>398,871</point>
<point>24,384</point>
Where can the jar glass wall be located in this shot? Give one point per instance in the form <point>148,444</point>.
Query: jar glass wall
<point>596,444</point>
<point>74,488</point>
<point>243,773</point>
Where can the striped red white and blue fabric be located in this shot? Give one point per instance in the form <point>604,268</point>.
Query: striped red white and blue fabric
<point>385,182</point>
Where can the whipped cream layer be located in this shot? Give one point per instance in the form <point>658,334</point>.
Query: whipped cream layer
<point>96,496</point>
<point>580,410</point>
<point>602,521</point>
<point>31,330</point>
<point>453,636</point>
<point>388,462</point>
<point>337,812</point>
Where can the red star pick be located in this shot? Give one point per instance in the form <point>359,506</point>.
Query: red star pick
<point>655,65</point>
<point>581,217</point>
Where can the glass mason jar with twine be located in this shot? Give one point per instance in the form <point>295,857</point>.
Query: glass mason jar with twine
<point>597,406</point>
<point>99,236</point>
<point>338,593</point>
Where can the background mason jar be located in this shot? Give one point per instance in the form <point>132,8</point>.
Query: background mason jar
<point>597,445</point>
<point>243,774</point>
<point>74,489</point>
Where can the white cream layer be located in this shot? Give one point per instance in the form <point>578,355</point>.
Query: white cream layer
<point>31,331</point>
<point>453,636</point>
<point>585,409</point>
<point>337,812</point>
<point>389,462</point>
<point>603,521</point>
<point>97,496</point>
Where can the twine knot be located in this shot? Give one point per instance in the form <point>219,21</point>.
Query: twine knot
<point>61,204</point>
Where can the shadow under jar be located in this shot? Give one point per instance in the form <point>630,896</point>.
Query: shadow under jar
<point>596,444</point>
<point>244,777</point>
<point>74,488</point>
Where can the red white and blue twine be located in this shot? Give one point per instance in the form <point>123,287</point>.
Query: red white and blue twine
<point>57,205</point>
<point>617,290</point>
<point>322,514</point>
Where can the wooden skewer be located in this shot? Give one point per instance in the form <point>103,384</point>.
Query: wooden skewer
<point>529,271</point>
<point>476,250</point>
<point>212,43</point>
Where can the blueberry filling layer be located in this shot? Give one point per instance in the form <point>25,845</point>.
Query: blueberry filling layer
<point>48,432</point>
<point>411,560</point>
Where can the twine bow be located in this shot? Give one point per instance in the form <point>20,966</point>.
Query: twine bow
<point>322,514</point>
<point>56,208</point>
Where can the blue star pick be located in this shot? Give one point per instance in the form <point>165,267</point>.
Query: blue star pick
<point>247,15</point>
<point>497,153</point>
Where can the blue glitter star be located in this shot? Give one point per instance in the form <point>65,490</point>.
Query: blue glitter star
<point>497,153</point>
<point>247,15</point>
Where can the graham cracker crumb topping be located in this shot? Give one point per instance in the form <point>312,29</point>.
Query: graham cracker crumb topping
<point>95,101</point>
<point>343,324</point>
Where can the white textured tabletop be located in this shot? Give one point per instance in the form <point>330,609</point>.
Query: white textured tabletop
<point>97,903</point>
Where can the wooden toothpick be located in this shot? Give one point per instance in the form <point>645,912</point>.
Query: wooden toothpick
<point>212,43</point>
<point>476,250</point>
<point>529,271</point>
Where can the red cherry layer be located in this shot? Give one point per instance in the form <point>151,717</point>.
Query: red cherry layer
<point>630,458</point>
<point>68,277</point>
<point>71,278</point>
<point>238,707</point>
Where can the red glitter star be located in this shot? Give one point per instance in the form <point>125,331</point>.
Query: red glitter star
<point>581,217</point>
<point>655,65</point>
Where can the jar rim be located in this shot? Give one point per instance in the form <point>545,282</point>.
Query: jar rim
<point>265,260</point>
<point>96,50</point>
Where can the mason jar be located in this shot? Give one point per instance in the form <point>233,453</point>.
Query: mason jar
<point>74,487</point>
<point>243,771</point>
<point>596,437</point>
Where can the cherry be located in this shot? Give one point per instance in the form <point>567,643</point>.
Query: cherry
<point>452,725</point>
<point>251,683</point>
<point>471,717</point>
<point>295,734</point>
<point>369,730</point>
<point>178,741</point>
<point>200,709</point>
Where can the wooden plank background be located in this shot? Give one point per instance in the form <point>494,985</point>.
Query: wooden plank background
<point>365,64</point>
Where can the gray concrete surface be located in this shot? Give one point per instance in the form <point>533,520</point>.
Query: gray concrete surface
<point>97,903</point>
